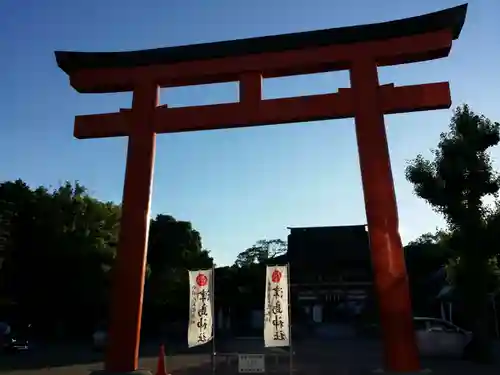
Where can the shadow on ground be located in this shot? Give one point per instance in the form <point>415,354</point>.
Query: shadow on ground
<point>72,354</point>
<point>61,355</point>
<point>176,365</point>
<point>312,358</point>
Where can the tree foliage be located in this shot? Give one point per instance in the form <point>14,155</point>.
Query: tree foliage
<point>455,183</point>
<point>261,252</point>
<point>174,247</point>
<point>59,245</point>
<point>428,253</point>
<point>426,258</point>
<point>60,248</point>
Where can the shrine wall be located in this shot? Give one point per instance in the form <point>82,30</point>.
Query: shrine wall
<point>329,255</point>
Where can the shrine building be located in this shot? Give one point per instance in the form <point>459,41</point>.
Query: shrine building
<point>330,271</point>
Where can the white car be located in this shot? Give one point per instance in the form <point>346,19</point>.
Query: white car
<point>437,337</point>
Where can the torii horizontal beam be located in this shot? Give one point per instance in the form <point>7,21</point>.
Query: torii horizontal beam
<point>266,112</point>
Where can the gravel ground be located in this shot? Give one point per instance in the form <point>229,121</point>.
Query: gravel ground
<point>343,357</point>
<point>33,365</point>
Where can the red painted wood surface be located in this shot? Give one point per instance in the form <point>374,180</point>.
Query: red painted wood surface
<point>391,280</point>
<point>266,112</point>
<point>277,64</point>
<point>130,264</point>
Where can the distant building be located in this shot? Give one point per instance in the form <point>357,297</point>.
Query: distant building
<point>330,271</point>
<point>331,283</point>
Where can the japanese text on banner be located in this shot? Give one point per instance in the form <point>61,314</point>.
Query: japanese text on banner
<point>200,329</point>
<point>276,319</point>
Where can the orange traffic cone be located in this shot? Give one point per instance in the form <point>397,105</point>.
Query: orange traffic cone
<point>161,368</point>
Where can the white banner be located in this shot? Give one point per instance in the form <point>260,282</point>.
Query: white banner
<point>200,329</point>
<point>276,319</point>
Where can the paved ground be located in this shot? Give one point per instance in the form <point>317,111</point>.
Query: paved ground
<point>348,357</point>
<point>80,360</point>
<point>343,357</point>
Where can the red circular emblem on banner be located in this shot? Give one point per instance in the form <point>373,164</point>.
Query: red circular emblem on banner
<point>201,280</point>
<point>276,276</point>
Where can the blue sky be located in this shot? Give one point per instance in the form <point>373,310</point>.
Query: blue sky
<point>235,186</point>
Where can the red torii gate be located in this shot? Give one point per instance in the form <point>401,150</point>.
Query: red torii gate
<point>359,49</point>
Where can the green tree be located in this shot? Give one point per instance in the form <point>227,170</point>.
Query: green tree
<point>260,252</point>
<point>248,273</point>
<point>427,254</point>
<point>425,257</point>
<point>60,249</point>
<point>174,247</point>
<point>455,184</point>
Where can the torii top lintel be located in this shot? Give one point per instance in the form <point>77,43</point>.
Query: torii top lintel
<point>413,39</point>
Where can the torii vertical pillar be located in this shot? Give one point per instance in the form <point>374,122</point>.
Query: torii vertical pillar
<point>359,49</point>
<point>130,267</point>
<point>400,350</point>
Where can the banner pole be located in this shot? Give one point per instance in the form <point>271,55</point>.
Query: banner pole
<point>290,318</point>
<point>214,319</point>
